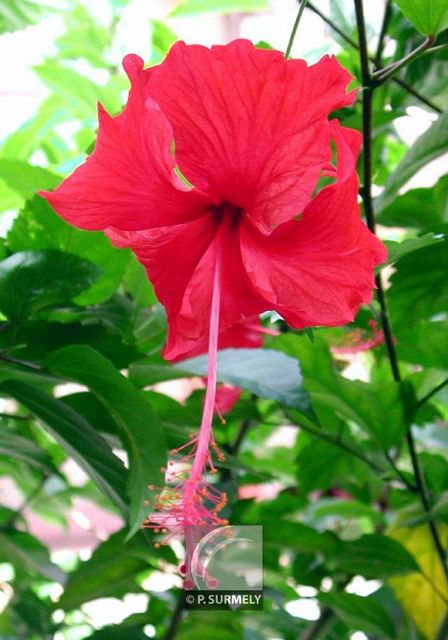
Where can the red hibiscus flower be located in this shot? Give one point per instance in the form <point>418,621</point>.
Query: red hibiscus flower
<point>250,131</point>
<point>211,176</point>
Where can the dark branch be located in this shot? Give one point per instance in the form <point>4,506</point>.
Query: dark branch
<point>368,88</point>
<point>402,83</point>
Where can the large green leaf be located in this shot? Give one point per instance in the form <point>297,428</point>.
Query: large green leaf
<point>194,7</point>
<point>35,132</point>
<point>419,287</point>
<point>19,14</point>
<point>265,373</point>
<point>33,280</point>
<point>425,343</point>
<point>397,250</point>
<point>298,537</point>
<point>142,431</point>
<point>375,407</point>
<point>77,437</point>
<point>427,147</point>
<point>111,571</point>
<point>425,209</point>
<point>323,465</point>
<point>38,227</point>
<point>428,16</point>
<point>17,447</point>
<point>24,180</point>
<point>26,552</point>
<point>80,95</point>
<point>226,625</point>
<point>360,613</point>
<point>374,556</point>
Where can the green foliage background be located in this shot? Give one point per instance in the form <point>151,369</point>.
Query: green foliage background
<point>74,309</point>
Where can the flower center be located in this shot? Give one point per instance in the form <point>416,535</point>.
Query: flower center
<point>226,211</point>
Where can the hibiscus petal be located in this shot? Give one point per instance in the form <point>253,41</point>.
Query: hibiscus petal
<point>247,334</point>
<point>180,261</point>
<point>318,270</point>
<point>129,180</point>
<point>251,128</point>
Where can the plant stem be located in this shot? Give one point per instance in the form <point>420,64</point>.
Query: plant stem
<point>176,618</point>
<point>26,503</point>
<point>368,88</point>
<point>383,75</point>
<point>20,363</point>
<point>302,6</point>
<point>432,393</point>
<point>242,431</point>
<point>319,626</point>
<point>405,85</point>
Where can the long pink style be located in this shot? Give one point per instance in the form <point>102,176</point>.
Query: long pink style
<point>193,501</point>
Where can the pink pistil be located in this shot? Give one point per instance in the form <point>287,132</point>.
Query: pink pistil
<point>189,499</point>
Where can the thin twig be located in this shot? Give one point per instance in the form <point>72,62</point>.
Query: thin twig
<point>20,363</point>
<point>176,618</point>
<point>368,88</point>
<point>295,27</point>
<point>402,83</point>
<point>26,503</point>
<point>383,75</point>
<point>432,393</point>
<point>242,431</point>
<point>319,626</point>
<point>15,416</point>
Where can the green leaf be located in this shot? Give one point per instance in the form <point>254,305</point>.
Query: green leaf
<point>396,250</point>
<point>374,556</point>
<point>427,147</point>
<point>19,14</point>
<point>80,94</point>
<point>142,431</point>
<point>226,625</point>
<point>419,287</point>
<point>33,280</point>
<point>162,38</point>
<point>25,179</point>
<point>77,437</point>
<point>265,373</point>
<point>425,344</point>
<point>17,447</point>
<point>147,372</point>
<point>38,227</point>
<point>298,537</point>
<point>36,131</point>
<point>26,552</point>
<point>119,632</point>
<point>323,465</point>
<point>375,407</point>
<point>85,38</point>
<point>425,209</point>
<point>110,572</point>
<point>430,17</point>
<point>195,7</point>
<point>137,284</point>
<point>345,510</point>
<point>360,613</point>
